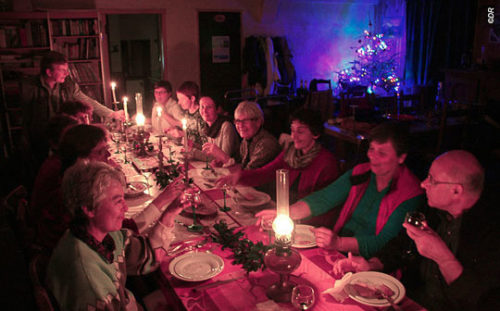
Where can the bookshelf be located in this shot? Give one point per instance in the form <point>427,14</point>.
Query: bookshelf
<point>25,37</point>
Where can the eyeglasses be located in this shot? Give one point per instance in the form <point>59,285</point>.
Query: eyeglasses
<point>434,182</point>
<point>244,121</point>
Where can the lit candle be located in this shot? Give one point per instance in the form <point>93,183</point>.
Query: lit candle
<point>158,111</point>
<point>113,87</point>
<point>125,108</point>
<point>282,224</point>
<point>184,128</point>
<point>140,120</point>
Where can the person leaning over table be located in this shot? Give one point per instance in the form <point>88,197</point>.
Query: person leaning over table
<point>171,112</point>
<point>89,266</point>
<point>42,97</point>
<point>375,196</point>
<point>454,266</point>
<point>258,147</point>
<point>220,133</point>
<point>311,166</point>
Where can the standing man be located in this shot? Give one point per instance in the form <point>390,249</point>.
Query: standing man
<point>43,95</point>
<point>451,262</point>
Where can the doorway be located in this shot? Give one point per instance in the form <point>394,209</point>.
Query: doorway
<point>135,55</point>
<point>220,53</point>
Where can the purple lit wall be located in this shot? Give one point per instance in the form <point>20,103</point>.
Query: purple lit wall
<point>321,33</point>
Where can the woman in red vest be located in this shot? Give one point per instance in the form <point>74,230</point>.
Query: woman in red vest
<point>375,196</point>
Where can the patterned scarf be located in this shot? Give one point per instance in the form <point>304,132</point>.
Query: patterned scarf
<point>296,159</point>
<point>105,249</point>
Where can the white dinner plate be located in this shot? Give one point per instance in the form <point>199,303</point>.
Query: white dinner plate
<point>303,237</point>
<point>196,266</point>
<point>375,279</point>
<point>249,197</point>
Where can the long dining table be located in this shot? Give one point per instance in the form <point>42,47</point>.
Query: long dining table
<point>232,288</point>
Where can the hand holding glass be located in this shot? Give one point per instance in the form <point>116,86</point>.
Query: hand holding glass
<point>303,297</point>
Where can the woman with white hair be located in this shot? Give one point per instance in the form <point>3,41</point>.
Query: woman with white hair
<point>258,147</point>
<point>89,266</point>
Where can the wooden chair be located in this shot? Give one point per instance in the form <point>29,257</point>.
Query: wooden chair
<point>321,101</point>
<point>43,297</point>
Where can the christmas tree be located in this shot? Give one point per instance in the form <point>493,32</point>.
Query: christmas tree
<point>374,67</point>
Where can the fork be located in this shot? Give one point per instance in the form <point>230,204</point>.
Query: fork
<point>381,295</point>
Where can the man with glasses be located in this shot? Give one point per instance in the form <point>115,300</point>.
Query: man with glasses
<point>455,265</point>
<point>43,95</point>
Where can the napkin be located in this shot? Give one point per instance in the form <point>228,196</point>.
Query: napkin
<point>337,291</point>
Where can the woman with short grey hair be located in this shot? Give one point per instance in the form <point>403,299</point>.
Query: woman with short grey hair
<point>258,147</point>
<point>89,266</point>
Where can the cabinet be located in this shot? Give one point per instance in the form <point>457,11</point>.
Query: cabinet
<point>26,36</point>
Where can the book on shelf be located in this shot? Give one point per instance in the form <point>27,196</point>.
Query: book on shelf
<point>28,34</point>
<point>85,72</point>
<point>74,27</point>
<point>78,48</point>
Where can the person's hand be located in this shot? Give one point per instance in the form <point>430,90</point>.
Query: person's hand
<point>170,213</point>
<point>350,264</point>
<point>175,132</point>
<point>325,238</point>
<point>118,115</point>
<point>231,179</point>
<point>429,243</point>
<point>214,151</point>
<point>265,214</point>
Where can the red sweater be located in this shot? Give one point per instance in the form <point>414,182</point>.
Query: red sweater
<point>320,173</point>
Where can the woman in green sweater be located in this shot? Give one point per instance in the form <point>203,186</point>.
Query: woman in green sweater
<point>375,196</point>
<point>89,266</point>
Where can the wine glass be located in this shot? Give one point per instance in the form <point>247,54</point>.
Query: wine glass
<point>266,224</point>
<point>416,219</point>
<point>303,297</point>
<point>225,189</point>
<point>146,175</point>
<point>117,138</point>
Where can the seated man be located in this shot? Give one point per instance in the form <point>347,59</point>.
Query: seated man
<point>171,112</point>
<point>258,147</point>
<point>89,266</point>
<point>455,265</point>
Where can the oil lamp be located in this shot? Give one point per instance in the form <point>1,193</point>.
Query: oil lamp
<point>282,258</point>
<point>141,136</point>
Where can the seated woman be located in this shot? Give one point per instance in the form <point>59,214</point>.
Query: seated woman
<point>220,133</point>
<point>376,197</point>
<point>188,95</point>
<point>258,147</point>
<point>311,167</point>
<point>89,266</point>
<point>78,142</point>
<point>171,112</point>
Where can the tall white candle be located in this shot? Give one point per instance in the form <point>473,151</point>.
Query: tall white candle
<point>113,87</point>
<point>138,103</point>
<point>125,108</point>
<point>158,111</point>
<point>184,128</point>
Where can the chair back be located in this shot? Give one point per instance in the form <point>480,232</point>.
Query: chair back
<point>43,297</point>
<point>321,98</point>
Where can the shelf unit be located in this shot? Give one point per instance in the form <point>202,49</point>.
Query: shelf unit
<point>25,37</point>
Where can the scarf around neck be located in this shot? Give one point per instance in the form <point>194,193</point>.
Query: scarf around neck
<point>213,130</point>
<point>104,248</point>
<point>296,159</point>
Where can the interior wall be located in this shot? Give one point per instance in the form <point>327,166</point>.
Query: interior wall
<point>320,33</point>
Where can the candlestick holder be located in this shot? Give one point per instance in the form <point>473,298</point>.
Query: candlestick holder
<point>283,260</point>
<point>160,152</point>
<point>142,138</point>
<point>126,126</point>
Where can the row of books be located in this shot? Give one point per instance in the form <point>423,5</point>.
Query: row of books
<point>85,72</point>
<point>74,27</point>
<point>29,34</point>
<point>82,48</point>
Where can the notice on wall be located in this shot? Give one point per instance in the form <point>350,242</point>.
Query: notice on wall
<point>220,49</point>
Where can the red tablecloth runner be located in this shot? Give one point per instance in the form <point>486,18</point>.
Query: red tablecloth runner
<point>248,292</point>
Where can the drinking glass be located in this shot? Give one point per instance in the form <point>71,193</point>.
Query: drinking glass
<point>266,224</point>
<point>415,218</point>
<point>225,189</point>
<point>117,138</point>
<point>146,175</point>
<point>303,297</point>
